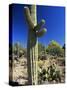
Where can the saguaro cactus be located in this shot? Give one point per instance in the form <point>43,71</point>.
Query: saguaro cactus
<point>32,44</point>
<point>17,47</point>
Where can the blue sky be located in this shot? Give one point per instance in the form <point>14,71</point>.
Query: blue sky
<point>55,24</point>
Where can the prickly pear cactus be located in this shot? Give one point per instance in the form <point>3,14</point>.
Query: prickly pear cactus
<point>32,44</point>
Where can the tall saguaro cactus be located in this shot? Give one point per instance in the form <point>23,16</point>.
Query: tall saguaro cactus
<point>32,44</point>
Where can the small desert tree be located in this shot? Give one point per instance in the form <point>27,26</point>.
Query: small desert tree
<point>54,48</point>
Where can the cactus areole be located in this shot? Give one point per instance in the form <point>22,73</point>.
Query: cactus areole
<point>34,32</point>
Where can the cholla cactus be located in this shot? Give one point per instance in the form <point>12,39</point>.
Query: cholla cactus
<point>32,44</point>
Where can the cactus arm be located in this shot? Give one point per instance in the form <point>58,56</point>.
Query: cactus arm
<point>38,26</point>
<point>28,17</point>
<point>41,33</point>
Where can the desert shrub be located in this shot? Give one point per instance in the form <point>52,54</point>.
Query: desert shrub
<point>50,74</point>
<point>53,57</point>
<point>40,63</point>
<point>43,57</point>
<point>55,49</point>
<point>53,74</point>
<point>42,76</point>
<point>18,50</point>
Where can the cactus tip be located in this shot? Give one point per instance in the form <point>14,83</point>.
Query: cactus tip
<point>25,7</point>
<point>43,21</point>
<point>45,30</point>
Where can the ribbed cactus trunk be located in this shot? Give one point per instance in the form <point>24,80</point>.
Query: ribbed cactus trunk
<point>32,44</point>
<point>32,49</point>
<point>35,46</point>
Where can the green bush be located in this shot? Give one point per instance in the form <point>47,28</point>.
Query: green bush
<point>50,74</point>
<point>55,49</point>
<point>18,50</point>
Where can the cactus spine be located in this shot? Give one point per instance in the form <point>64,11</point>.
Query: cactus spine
<point>32,44</point>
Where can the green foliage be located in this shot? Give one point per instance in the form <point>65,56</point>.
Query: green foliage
<point>53,74</point>
<point>42,76</point>
<point>55,49</point>
<point>50,75</point>
<point>18,49</point>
